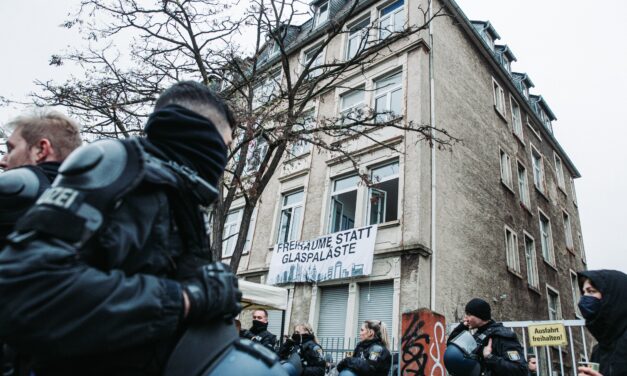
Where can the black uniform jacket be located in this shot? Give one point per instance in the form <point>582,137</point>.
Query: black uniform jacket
<point>106,309</point>
<point>370,358</point>
<point>262,336</point>
<point>310,354</point>
<point>609,326</point>
<point>507,354</point>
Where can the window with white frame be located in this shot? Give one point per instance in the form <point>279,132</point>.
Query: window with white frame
<point>383,202</point>
<point>559,172</point>
<point>530,260</point>
<point>291,216</point>
<point>523,186</point>
<point>391,19</point>
<point>499,97</point>
<point>357,37</point>
<point>231,230</point>
<point>516,119</point>
<point>302,145</point>
<point>511,250</point>
<point>352,104</point>
<point>388,96</point>
<point>546,239</point>
<point>343,203</point>
<point>553,302</point>
<point>506,168</point>
<point>572,189</point>
<point>568,230</point>
<point>538,169</point>
<point>316,57</point>
<point>574,286</point>
<point>257,150</point>
<point>274,49</point>
<point>581,247</point>
<point>267,90</point>
<point>322,13</point>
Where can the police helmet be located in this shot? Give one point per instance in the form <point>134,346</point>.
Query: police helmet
<point>347,372</point>
<point>459,364</point>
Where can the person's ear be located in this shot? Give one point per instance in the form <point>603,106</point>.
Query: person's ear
<point>43,150</point>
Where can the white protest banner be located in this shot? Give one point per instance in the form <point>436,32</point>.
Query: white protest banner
<point>342,254</point>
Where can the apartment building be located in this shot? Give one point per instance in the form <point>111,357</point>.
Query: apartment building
<point>495,216</point>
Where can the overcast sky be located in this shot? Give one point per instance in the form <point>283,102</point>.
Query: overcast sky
<point>573,50</point>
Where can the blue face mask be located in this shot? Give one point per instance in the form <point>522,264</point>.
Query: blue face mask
<point>589,306</point>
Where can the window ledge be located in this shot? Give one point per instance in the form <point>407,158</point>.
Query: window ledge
<point>501,114</point>
<point>509,188</point>
<point>549,264</point>
<point>563,189</point>
<point>514,272</point>
<point>296,157</point>
<point>524,206</point>
<point>519,138</point>
<point>389,224</point>
<point>541,192</point>
<point>534,289</point>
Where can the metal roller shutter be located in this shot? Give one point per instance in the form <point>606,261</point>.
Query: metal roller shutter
<point>375,303</point>
<point>274,322</point>
<point>332,317</point>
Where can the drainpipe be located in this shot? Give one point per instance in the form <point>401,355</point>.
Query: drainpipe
<point>433,150</point>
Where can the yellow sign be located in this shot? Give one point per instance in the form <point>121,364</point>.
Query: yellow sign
<point>547,335</point>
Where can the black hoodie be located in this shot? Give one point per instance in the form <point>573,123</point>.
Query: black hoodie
<point>609,325</point>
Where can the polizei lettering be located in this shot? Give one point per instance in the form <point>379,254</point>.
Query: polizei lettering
<point>59,196</point>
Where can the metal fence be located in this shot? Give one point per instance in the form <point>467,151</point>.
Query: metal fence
<point>555,360</point>
<point>338,348</point>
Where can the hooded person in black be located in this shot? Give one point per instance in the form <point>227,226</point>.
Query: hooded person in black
<point>604,306</point>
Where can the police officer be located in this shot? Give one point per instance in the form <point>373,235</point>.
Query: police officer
<point>498,352</point>
<point>303,342</point>
<point>259,331</point>
<point>37,146</point>
<point>110,267</point>
<point>371,357</point>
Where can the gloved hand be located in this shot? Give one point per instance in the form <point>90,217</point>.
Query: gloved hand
<point>342,364</point>
<point>214,293</point>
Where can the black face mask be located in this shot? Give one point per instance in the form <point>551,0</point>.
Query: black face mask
<point>589,306</point>
<point>301,338</point>
<point>259,325</point>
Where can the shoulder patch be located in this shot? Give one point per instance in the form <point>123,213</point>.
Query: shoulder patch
<point>374,355</point>
<point>513,355</point>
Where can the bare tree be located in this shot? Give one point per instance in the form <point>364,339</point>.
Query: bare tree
<point>251,54</point>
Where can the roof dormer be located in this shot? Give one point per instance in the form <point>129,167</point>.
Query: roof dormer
<point>523,83</point>
<point>487,32</point>
<point>543,111</point>
<point>321,15</point>
<point>505,56</point>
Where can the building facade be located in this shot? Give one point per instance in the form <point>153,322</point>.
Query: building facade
<point>495,216</point>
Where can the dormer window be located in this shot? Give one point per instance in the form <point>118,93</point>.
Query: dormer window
<point>489,40</point>
<point>525,91</point>
<point>274,50</point>
<point>322,13</point>
<point>507,64</point>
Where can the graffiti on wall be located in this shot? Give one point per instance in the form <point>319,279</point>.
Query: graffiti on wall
<point>423,343</point>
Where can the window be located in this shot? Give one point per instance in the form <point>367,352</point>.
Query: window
<point>357,38</point>
<point>291,214</point>
<point>511,250</point>
<point>351,104</point>
<point>530,259</point>
<point>302,146</point>
<point>391,19</point>
<point>388,96</point>
<point>506,169</point>
<point>516,119</point>
<point>343,203</point>
<point>574,286</point>
<point>231,230</point>
<point>383,203</point>
<point>274,49</point>
<point>572,189</point>
<point>322,13</point>
<point>376,300</point>
<point>257,150</point>
<point>546,239</point>
<point>267,90</point>
<point>538,170</point>
<point>559,172</point>
<point>581,247</point>
<point>499,98</point>
<point>568,231</point>
<point>317,58</point>
<point>332,314</point>
<point>523,186</point>
<point>553,301</point>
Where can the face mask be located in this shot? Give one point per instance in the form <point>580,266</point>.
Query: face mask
<point>589,306</point>
<point>297,338</point>
<point>259,325</point>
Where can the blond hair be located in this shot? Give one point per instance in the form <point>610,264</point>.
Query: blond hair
<point>62,132</point>
<point>380,331</point>
<point>307,326</point>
